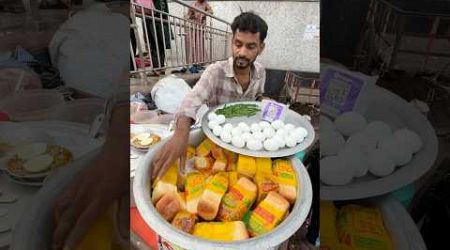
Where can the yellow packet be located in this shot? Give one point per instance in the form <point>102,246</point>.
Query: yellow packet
<point>238,200</point>
<point>222,231</point>
<point>287,179</point>
<point>246,165</point>
<point>360,227</point>
<point>194,186</point>
<point>168,183</point>
<point>268,214</point>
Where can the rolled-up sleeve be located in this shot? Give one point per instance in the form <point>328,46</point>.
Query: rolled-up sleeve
<point>197,96</point>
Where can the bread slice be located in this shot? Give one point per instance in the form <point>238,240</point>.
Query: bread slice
<point>209,202</point>
<point>168,206</point>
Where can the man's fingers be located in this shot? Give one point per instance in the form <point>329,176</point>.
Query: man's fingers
<point>60,207</point>
<point>165,166</point>
<point>66,222</point>
<point>182,166</point>
<point>83,224</point>
<point>61,204</point>
<point>157,163</point>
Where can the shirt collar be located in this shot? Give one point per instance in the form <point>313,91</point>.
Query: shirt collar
<point>229,70</point>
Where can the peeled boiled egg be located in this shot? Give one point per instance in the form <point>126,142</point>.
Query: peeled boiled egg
<point>236,131</point>
<point>258,136</point>
<point>255,145</point>
<point>363,141</point>
<point>378,130</point>
<point>281,133</point>
<point>255,127</point>
<point>244,127</point>
<point>220,119</point>
<point>225,136</point>
<point>399,153</point>
<point>269,132</point>
<point>290,142</point>
<point>270,145</point>
<point>354,158</point>
<point>280,141</point>
<point>331,143</point>
<point>298,136</point>
<point>409,138</point>
<point>237,141</point>
<point>334,172</point>
<point>277,124</point>
<point>289,127</point>
<point>326,124</point>
<point>228,127</point>
<point>379,163</point>
<point>246,136</point>
<point>212,124</point>
<point>264,124</point>
<point>212,116</point>
<point>31,150</point>
<point>38,163</point>
<point>217,130</point>
<point>301,131</point>
<point>350,122</point>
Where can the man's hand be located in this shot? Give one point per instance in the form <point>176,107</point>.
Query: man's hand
<point>91,194</point>
<point>96,188</point>
<point>174,149</point>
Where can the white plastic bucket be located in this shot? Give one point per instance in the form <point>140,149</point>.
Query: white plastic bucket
<point>281,233</point>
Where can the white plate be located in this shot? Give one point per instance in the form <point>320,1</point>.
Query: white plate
<point>159,129</point>
<point>291,117</point>
<point>72,136</point>
<point>34,228</point>
<point>388,107</point>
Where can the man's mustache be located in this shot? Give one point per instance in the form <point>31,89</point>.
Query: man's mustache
<point>242,58</point>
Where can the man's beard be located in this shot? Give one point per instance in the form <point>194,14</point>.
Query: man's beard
<point>242,62</point>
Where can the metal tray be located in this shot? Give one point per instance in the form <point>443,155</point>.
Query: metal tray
<point>291,117</point>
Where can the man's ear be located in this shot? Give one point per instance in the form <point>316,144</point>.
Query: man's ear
<point>263,45</point>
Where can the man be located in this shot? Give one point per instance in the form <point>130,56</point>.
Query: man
<point>237,79</point>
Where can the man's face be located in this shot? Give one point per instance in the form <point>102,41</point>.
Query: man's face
<point>246,47</point>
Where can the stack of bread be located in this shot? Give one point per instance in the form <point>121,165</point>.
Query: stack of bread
<point>227,196</point>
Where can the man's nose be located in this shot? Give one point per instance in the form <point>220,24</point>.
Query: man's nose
<point>243,52</point>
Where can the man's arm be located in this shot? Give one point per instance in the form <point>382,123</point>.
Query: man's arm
<point>176,147</point>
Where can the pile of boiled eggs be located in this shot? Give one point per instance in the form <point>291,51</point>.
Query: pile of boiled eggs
<point>351,147</point>
<point>257,136</point>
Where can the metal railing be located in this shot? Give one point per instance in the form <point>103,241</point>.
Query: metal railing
<point>166,40</point>
<point>301,88</point>
<point>387,34</point>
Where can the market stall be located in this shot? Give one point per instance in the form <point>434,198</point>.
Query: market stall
<point>246,155</point>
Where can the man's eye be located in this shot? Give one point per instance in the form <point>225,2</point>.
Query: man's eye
<point>251,46</point>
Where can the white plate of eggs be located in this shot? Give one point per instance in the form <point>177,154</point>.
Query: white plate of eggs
<point>374,151</point>
<point>254,137</point>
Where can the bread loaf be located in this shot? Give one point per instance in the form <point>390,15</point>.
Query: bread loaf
<point>194,186</point>
<point>211,197</point>
<point>267,214</point>
<point>168,206</point>
<point>287,179</point>
<point>222,231</point>
<point>238,200</point>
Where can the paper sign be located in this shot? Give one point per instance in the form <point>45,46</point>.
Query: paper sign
<point>339,91</point>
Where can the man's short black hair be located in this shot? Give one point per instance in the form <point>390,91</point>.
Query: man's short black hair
<point>250,22</point>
